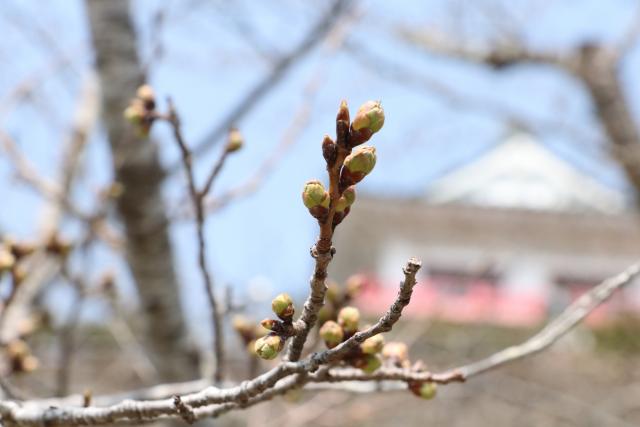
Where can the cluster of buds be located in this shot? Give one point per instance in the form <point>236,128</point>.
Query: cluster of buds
<point>367,355</point>
<point>141,110</point>
<point>268,346</point>
<point>355,164</point>
<point>20,358</point>
<point>338,297</point>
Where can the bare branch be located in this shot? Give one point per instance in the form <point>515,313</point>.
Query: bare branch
<point>197,198</point>
<point>270,81</point>
<point>213,402</point>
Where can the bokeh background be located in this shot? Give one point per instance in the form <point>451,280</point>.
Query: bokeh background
<point>506,177</point>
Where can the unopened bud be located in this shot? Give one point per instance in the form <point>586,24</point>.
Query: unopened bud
<point>282,306</point>
<point>369,363</point>
<point>329,150</point>
<point>235,141</point>
<point>269,324</point>
<point>331,333</point>
<point>372,345</point>
<point>135,112</point>
<point>348,318</point>
<point>146,94</point>
<point>370,115</point>
<point>425,390</point>
<point>357,165</point>
<point>343,112</point>
<point>369,120</point>
<point>342,124</point>
<point>314,195</point>
<point>347,198</point>
<point>268,346</point>
<point>355,283</point>
<point>396,352</point>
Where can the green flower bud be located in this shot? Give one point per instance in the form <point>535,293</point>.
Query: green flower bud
<point>370,115</point>
<point>396,352</point>
<point>348,318</point>
<point>331,333</point>
<point>269,324</point>
<point>357,165</point>
<point>135,112</point>
<point>372,345</point>
<point>235,141</point>
<point>424,390</point>
<point>268,346</point>
<point>314,195</point>
<point>347,199</point>
<point>282,306</point>
<point>369,120</point>
<point>369,363</point>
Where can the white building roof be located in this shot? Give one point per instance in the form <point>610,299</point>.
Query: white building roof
<point>521,173</point>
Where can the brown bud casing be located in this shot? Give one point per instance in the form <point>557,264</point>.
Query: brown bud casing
<point>329,150</point>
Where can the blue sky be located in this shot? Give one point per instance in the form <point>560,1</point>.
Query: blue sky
<point>208,64</point>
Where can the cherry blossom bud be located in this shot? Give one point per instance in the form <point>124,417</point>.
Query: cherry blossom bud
<point>269,324</point>
<point>342,124</point>
<point>425,390</point>
<point>372,345</point>
<point>357,165</point>
<point>331,333</point>
<point>397,352</point>
<point>347,199</point>
<point>282,306</point>
<point>235,141</point>
<point>369,363</point>
<point>369,120</point>
<point>269,346</point>
<point>314,195</point>
<point>329,150</point>
<point>348,318</point>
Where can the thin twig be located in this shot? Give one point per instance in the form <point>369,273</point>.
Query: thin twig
<point>197,198</point>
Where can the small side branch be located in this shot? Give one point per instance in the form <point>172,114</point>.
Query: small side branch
<point>197,200</point>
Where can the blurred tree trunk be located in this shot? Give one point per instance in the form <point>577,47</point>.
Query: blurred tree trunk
<point>141,208</point>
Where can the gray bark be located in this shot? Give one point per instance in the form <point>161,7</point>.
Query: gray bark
<point>141,208</point>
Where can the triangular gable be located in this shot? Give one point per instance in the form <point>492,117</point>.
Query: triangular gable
<point>521,173</point>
